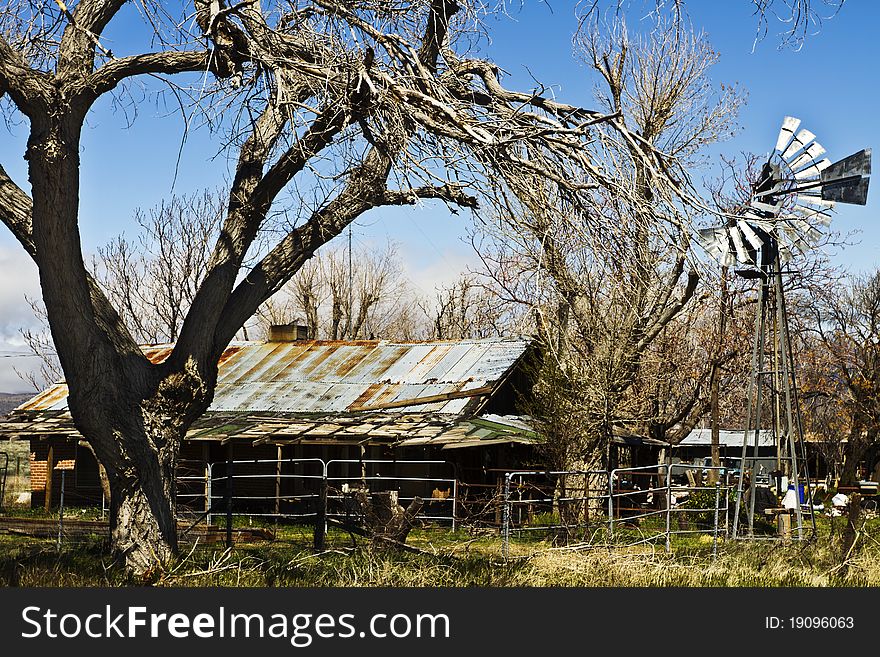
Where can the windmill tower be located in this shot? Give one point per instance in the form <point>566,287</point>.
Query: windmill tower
<point>793,196</point>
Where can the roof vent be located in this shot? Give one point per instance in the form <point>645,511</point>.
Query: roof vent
<point>288,332</point>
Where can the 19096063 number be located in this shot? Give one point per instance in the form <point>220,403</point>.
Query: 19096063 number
<point>821,622</point>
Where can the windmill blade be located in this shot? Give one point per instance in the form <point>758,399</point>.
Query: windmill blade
<point>857,164</point>
<point>811,153</point>
<point>739,245</point>
<point>764,229</point>
<point>751,236</point>
<point>786,132</point>
<point>709,237</point>
<point>714,241</point>
<point>822,217</point>
<point>813,170</point>
<point>814,201</point>
<point>802,138</point>
<point>848,190</point>
<point>792,238</point>
<point>809,233</point>
<point>768,179</point>
<point>726,258</point>
<point>766,207</point>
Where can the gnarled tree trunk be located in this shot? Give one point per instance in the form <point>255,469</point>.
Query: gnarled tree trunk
<point>138,445</point>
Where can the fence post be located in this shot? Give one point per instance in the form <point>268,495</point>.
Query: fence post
<point>715,528</point>
<point>611,504</point>
<point>320,534</point>
<point>49,465</point>
<point>4,476</point>
<point>208,490</point>
<point>668,507</point>
<point>228,503</point>
<point>505,518</point>
<point>454,499</point>
<point>61,510</point>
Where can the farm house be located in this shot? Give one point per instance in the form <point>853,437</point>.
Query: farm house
<point>287,404</point>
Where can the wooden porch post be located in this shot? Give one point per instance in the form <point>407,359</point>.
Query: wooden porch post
<point>49,465</point>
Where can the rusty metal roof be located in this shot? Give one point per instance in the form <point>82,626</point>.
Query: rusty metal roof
<point>318,376</point>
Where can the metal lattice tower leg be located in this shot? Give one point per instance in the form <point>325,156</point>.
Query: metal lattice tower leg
<point>772,333</point>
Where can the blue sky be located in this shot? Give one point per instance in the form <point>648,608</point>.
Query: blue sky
<point>831,84</point>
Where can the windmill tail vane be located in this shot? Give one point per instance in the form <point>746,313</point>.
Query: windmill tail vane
<point>795,193</point>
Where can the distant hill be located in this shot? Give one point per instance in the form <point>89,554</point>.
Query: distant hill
<point>9,400</point>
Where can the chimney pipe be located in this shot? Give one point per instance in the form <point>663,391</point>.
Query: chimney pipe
<point>288,332</point>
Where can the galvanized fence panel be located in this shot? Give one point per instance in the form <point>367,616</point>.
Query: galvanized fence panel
<point>636,505</point>
<point>701,506</point>
<point>285,489</point>
<point>567,504</point>
<point>308,491</point>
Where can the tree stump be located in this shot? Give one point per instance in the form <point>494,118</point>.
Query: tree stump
<point>386,521</point>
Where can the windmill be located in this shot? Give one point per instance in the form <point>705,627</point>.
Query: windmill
<point>791,200</point>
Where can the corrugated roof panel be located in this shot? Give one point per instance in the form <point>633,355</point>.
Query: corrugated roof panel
<point>234,367</point>
<point>452,357</point>
<point>344,358</point>
<point>436,356</point>
<point>229,398</point>
<point>727,437</point>
<point>413,391</point>
<point>157,353</point>
<point>316,376</point>
<point>256,362</point>
<point>286,356</point>
<point>338,397</point>
<point>310,369</point>
<point>50,398</point>
<point>400,371</point>
<point>496,360</point>
<point>354,356</point>
<point>374,367</point>
<point>454,406</point>
<point>462,370</point>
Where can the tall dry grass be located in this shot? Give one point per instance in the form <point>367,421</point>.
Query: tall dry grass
<point>751,564</point>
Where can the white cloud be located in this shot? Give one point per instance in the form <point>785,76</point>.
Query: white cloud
<point>18,277</point>
<point>428,274</point>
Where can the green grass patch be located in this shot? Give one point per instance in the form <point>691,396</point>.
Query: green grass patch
<point>462,559</point>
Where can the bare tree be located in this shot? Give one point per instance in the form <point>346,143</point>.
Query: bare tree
<point>800,18</point>
<point>381,104</point>
<point>38,340</point>
<point>602,298</point>
<point>467,309</point>
<point>347,296</point>
<point>152,280</point>
<point>843,381</point>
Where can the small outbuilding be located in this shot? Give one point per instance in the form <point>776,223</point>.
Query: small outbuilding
<point>366,408</point>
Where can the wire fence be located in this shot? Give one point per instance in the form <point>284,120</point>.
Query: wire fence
<point>626,506</point>
<point>311,491</point>
<point>622,507</point>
